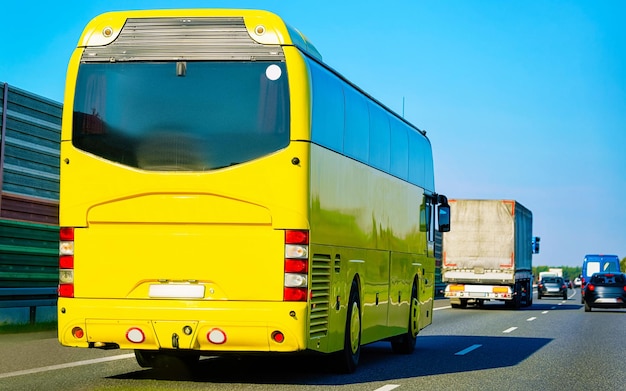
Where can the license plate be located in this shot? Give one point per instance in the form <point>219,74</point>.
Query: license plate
<point>176,291</point>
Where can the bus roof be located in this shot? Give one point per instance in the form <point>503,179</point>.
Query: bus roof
<point>263,27</point>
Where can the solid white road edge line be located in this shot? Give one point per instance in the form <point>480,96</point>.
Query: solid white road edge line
<point>67,365</point>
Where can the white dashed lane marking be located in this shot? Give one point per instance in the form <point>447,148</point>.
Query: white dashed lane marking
<point>387,387</point>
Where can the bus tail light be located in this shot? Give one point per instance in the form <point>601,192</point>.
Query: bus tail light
<point>78,332</point>
<point>66,262</point>
<point>296,265</point>
<point>277,336</point>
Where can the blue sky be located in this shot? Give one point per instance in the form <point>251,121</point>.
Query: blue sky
<point>521,100</point>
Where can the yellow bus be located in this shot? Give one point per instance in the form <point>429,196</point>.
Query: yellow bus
<point>224,191</point>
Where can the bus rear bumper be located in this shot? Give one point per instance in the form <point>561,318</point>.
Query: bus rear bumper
<point>171,324</point>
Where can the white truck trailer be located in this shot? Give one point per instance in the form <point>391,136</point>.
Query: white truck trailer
<point>488,253</point>
<point>552,272</point>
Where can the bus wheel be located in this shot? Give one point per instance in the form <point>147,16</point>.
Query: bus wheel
<point>405,344</point>
<point>347,359</point>
<point>145,358</point>
<point>160,360</point>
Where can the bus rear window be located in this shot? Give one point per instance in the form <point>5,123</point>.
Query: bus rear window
<point>181,116</point>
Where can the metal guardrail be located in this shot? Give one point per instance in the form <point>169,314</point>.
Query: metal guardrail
<point>28,297</point>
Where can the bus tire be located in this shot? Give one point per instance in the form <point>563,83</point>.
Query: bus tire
<point>160,360</point>
<point>145,358</point>
<point>405,344</point>
<point>347,359</point>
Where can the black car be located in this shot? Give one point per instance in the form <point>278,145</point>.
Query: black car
<point>552,286</point>
<point>605,290</point>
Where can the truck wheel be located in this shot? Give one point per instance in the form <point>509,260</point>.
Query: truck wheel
<point>405,344</point>
<point>517,299</point>
<point>523,291</point>
<point>347,359</point>
<point>463,303</point>
<point>529,294</point>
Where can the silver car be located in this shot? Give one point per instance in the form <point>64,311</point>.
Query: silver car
<point>552,286</point>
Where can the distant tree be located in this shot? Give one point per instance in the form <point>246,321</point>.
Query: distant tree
<point>622,264</point>
<point>569,272</point>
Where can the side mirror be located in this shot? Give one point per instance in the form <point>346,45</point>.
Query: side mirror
<point>444,218</point>
<point>535,244</point>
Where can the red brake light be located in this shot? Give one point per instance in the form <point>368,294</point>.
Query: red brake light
<point>66,290</point>
<point>78,333</point>
<point>66,262</point>
<point>296,237</point>
<point>591,287</point>
<point>278,336</point>
<point>294,294</point>
<point>296,266</point>
<point>66,233</point>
